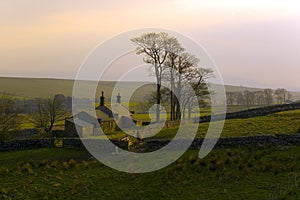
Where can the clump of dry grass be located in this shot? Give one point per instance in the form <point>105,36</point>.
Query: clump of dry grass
<point>3,170</point>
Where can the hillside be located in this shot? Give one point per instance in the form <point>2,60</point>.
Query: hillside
<point>42,87</point>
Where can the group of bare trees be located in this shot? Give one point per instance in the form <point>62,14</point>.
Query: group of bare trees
<point>47,113</point>
<point>173,65</point>
<point>264,97</point>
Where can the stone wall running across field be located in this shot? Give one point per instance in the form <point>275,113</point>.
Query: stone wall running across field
<point>50,143</point>
<point>234,142</point>
<point>151,145</point>
<point>256,112</point>
<point>25,144</point>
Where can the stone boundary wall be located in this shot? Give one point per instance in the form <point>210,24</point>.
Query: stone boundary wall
<point>255,112</point>
<point>151,145</point>
<point>234,142</point>
<point>25,144</point>
<point>48,143</point>
<point>76,142</point>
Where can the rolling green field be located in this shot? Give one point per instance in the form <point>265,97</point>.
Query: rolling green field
<point>279,123</point>
<point>244,173</point>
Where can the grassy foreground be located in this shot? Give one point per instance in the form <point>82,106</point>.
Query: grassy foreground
<point>245,173</point>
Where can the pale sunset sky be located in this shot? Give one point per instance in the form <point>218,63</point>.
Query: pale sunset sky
<point>253,43</point>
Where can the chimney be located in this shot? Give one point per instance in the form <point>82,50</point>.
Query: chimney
<point>118,98</point>
<point>102,99</point>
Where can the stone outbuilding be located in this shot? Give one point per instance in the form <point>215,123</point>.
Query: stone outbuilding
<point>108,118</point>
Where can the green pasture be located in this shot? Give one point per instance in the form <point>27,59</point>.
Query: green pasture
<point>287,122</point>
<point>242,173</point>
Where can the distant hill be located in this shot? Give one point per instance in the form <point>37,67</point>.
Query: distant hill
<point>43,87</point>
<point>232,88</point>
<point>36,87</point>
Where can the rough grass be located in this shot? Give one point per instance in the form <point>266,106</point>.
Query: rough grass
<point>244,173</point>
<point>279,123</point>
<point>287,122</point>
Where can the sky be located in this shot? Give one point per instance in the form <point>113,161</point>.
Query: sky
<point>253,43</point>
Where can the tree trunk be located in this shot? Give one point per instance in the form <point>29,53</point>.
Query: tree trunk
<point>172,97</point>
<point>158,97</point>
<point>50,127</point>
<point>178,109</point>
<point>190,110</point>
<point>183,110</point>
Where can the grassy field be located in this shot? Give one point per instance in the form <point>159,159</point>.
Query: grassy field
<point>244,173</point>
<point>280,123</point>
<point>287,122</point>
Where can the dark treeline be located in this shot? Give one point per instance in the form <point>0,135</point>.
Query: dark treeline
<point>264,97</point>
<point>27,106</point>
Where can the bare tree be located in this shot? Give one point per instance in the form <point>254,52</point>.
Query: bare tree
<point>187,72</point>
<point>268,96</point>
<point>156,47</point>
<point>249,98</point>
<point>231,98</point>
<point>281,95</point>
<point>150,99</point>
<point>197,78</point>
<point>8,113</point>
<point>259,98</point>
<point>175,50</point>
<point>48,112</point>
<point>240,100</point>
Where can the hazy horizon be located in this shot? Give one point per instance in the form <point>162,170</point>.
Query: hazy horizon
<point>70,79</point>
